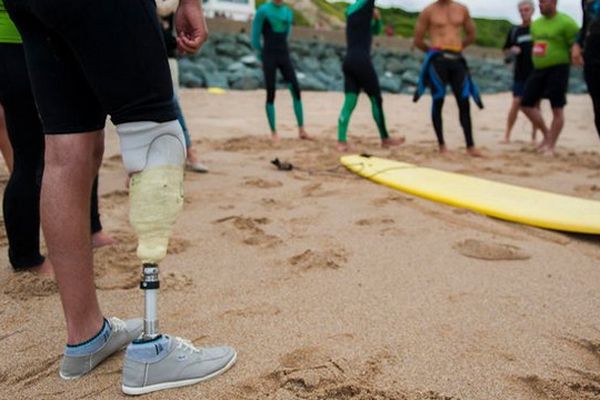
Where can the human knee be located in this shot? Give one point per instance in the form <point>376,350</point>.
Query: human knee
<point>149,144</point>
<point>75,152</point>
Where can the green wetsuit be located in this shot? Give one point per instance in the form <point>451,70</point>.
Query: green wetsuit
<point>359,73</point>
<point>274,23</point>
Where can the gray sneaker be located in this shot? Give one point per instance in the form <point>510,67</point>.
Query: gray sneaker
<point>122,333</point>
<point>183,365</point>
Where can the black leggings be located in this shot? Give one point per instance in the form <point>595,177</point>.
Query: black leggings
<point>592,74</point>
<point>21,203</point>
<point>281,62</point>
<point>449,71</point>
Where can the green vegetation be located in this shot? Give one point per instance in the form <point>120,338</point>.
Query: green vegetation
<point>490,33</point>
<point>299,18</point>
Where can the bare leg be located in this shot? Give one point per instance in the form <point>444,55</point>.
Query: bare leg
<point>536,118</point>
<point>558,123</point>
<point>5,146</point>
<point>342,147</point>
<point>71,164</point>
<point>512,118</point>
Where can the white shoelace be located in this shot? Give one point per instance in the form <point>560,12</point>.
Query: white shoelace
<point>184,344</point>
<point>117,325</point>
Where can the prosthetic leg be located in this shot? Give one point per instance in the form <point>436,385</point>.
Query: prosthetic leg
<point>154,153</point>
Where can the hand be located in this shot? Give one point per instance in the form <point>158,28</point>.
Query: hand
<point>376,14</point>
<point>191,27</point>
<point>576,55</point>
<point>516,50</point>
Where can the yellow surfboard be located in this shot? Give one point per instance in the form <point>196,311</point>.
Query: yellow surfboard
<point>499,200</point>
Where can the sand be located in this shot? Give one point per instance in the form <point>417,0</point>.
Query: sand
<point>332,287</point>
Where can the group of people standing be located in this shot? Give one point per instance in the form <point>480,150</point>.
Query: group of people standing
<point>64,70</point>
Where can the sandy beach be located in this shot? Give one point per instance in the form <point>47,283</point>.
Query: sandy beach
<point>332,287</point>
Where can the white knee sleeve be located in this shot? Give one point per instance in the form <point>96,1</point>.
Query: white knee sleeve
<point>151,144</point>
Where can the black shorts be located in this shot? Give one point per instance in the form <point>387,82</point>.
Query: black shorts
<point>551,83</point>
<point>92,58</point>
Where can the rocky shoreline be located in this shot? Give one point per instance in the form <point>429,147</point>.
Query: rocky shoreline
<point>228,61</point>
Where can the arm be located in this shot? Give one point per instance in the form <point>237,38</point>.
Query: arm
<point>421,28</point>
<point>257,26</point>
<point>291,23</point>
<point>190,25</point>
<point>470,30</point>
<point>376,23</point>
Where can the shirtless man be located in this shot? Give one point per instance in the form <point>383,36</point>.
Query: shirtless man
<point>445,21</point>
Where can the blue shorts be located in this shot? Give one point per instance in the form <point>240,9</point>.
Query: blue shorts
<point>518,88</point>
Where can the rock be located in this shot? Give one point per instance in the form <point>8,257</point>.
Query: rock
<point>390,83</point>
<point>246,83</point>
<point>250,61</point>
<point>394,65</point>
<point>410,78</point>
<point>189,80</point>
<point>309,82</point>
<point>332,66</point>
<point>231,50</point>
<point>309,64</point>
<point>216,79</point>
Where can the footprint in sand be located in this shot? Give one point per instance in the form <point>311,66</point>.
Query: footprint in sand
<point>587,190</point>
<point>490,251</point>
<point>312,259</point>
<point>316,190</point>
<point>261,183</point>
<point>252,311</point>
<point>586,388</point>
<point>374,221</point>
<point>252,234</point>
<point>26,285</point>
<point>311,373</point>
<point>393,198</point>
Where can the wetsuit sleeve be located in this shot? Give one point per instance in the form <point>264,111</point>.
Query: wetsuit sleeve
<point>257,26</point>
<point>376,26</point>
<point>582,33</point>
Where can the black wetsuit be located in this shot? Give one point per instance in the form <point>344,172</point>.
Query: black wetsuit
<point>359,72</point>
<point>589,40</point>
<point>274,23</point>
<point>520,36</point>
<point>21,202</point>
<point>450,68</point>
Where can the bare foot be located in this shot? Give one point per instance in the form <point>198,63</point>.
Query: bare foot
<point>101,239</point>
<point>473,152</point>
<point>303,135</point>
<point>193,164</point>
<point>549,152</point>
<point>45,269</point>
<point>275,137</point>
<point>342,147</point>
<point>443,150</point>
<point>542,147</point>
<point>392,142</point>
<point>505,141</point>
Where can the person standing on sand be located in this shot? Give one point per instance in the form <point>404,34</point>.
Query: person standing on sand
<point>273,22</point>
<point>446,21</point>
<point>83,69</point>
<point>21,201</point>
<point>362,22</point>
<point>586,52</point>
<point>554,33</point>
<point>166,12</point>
<point>517,49</point>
